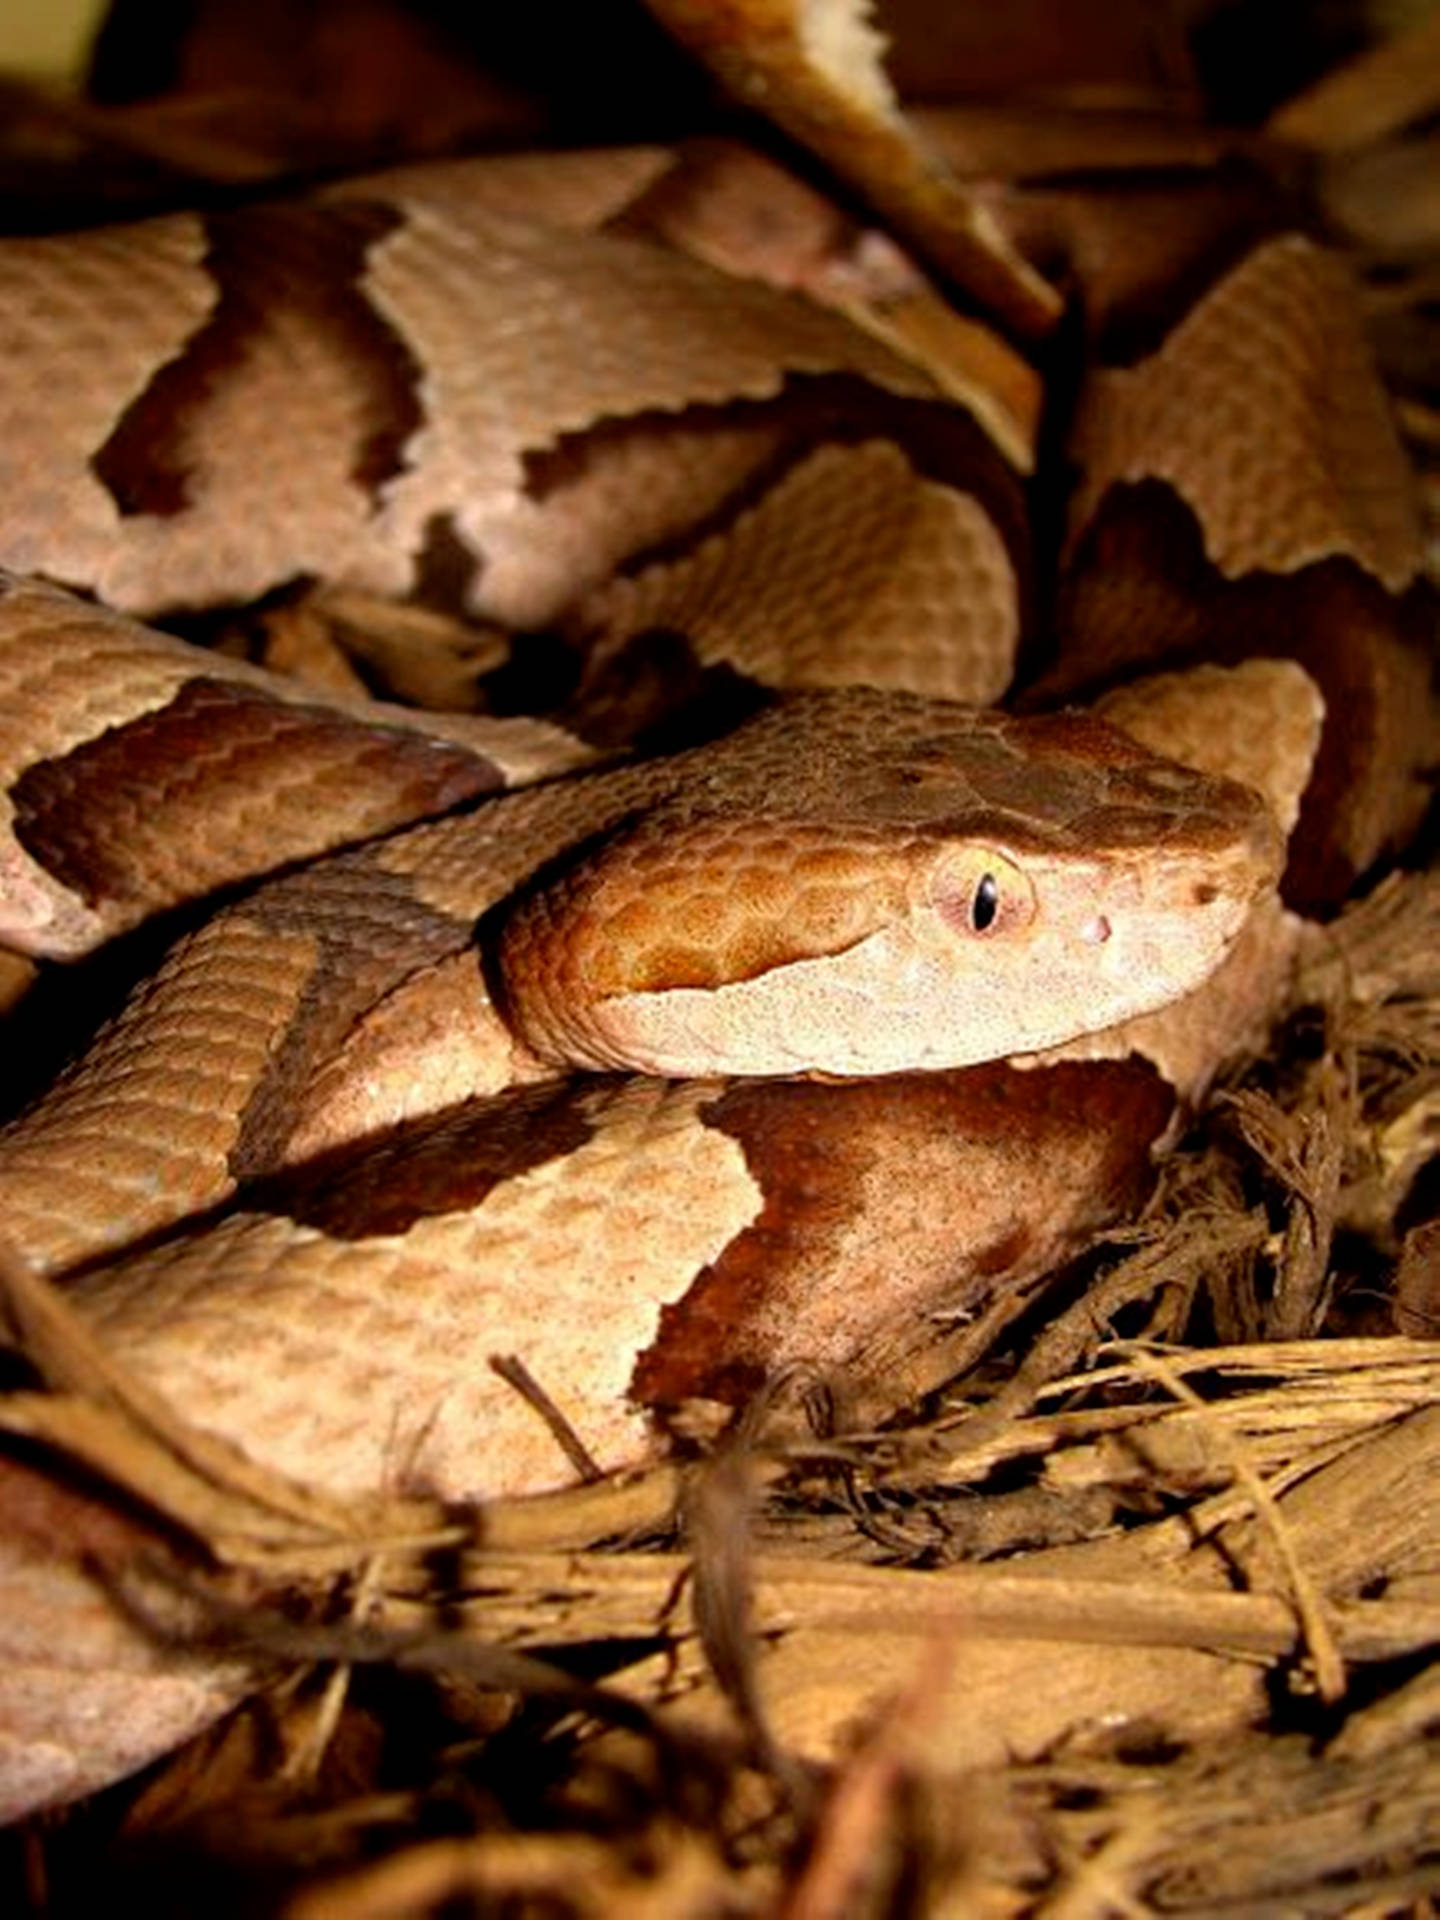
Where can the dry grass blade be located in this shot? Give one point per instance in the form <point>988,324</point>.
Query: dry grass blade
<point>681,1873</point>
<point>1320,1638</point>
<point>1261,1828</point>
<point>1305,1152</point>
<point>99,1415</point>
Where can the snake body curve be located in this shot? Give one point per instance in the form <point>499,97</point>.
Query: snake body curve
<point>879,883</point>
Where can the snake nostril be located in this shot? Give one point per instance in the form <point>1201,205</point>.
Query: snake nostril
<point>1096,932</point>
<point>1205,893</point>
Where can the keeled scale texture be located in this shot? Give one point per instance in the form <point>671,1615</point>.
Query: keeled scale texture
<point>234,403</point>
<point>1264,412</point>
<point>362,1360</point>
<point>1244,488</point>
<point>853,570</point>
<point>693,1235</point>
<point>137,772</point>
<point>859,777</point>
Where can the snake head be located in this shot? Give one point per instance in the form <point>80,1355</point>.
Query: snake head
<point>937,889</point>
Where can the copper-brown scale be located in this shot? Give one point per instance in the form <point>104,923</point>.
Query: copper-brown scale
<point>909,808</point>
<point>187,797</point>
<point>881,866</point>
<point>814,1282</point>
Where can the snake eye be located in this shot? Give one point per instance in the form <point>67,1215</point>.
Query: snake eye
<point>978,890</point>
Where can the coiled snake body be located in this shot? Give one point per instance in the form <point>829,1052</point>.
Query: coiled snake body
<point>333,1155</point>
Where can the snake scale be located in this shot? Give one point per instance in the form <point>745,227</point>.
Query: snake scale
<point>663,1072</point>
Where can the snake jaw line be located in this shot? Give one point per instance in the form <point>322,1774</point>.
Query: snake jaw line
<point>917,995</point>
<point>932,890</point>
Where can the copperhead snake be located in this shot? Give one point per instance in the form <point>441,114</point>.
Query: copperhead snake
<point>331,1155</point>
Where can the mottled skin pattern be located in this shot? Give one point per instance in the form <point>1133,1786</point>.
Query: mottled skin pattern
<point>137,772</point>
<point>197,410</point>
<point>335,1154</point>
<point>1192,539</point>
<point>739,1226</point>
<point>919,884</point>
<point>1279,339</point>
<point>635,1242</point>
